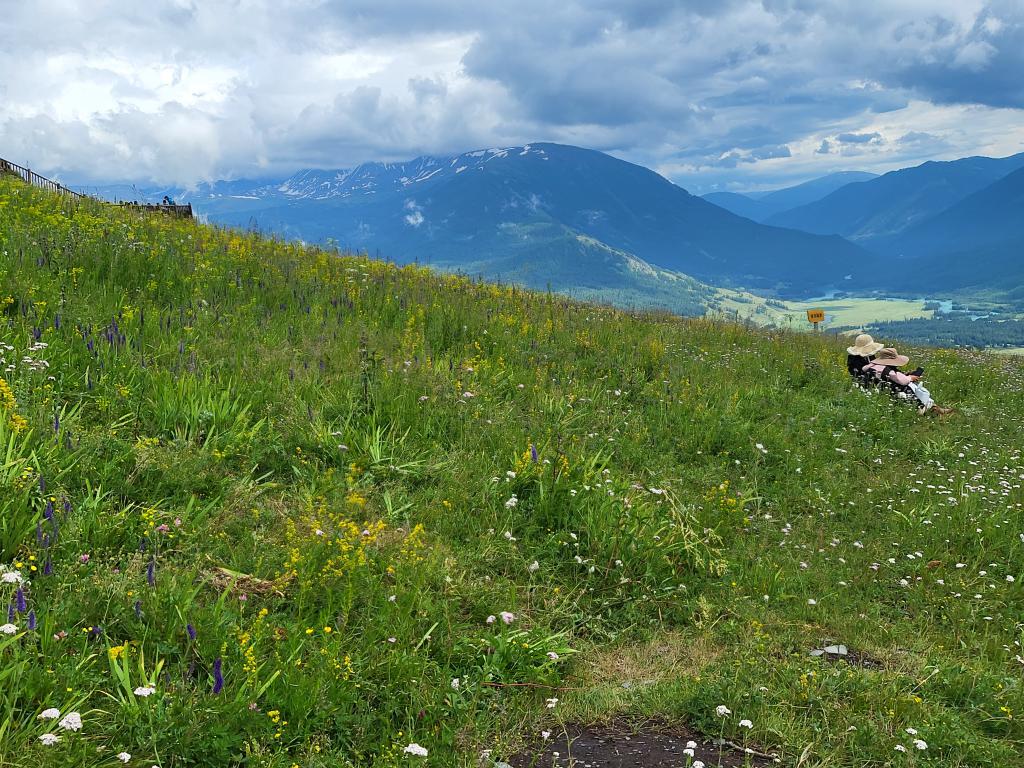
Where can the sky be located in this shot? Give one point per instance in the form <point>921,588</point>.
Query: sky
<point>714,94</point>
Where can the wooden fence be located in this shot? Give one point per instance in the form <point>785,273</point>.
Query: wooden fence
<point>30,177</point>
<point>178,211</point>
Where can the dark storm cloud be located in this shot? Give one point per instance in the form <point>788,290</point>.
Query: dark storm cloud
<point>726,90</point>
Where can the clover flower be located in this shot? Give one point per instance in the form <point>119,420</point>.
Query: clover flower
<point>507,617</point>
<point>746,724</point>
<point>920,744</point>
<point>124,757</point>
<point>722,711</point>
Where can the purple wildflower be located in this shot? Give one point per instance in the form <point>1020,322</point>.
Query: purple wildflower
<point>31,621</point>
<point>138,609</point>
<point>48,510</point>
<point>22,602</point>
<point>191,631</point>
<point>533,453</point>
<point>218,677</point>
<point>151,573</point>
<point>10,613</point>
<point>48,566</point>
<point>42,484</point>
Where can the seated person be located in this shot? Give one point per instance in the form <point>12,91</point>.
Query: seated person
<point>860,354</point>
<point>886,365</point>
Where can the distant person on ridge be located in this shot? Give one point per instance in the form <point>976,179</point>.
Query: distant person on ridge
<point>886,365</point>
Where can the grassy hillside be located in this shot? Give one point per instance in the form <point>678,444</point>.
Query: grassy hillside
<point>277,507</point>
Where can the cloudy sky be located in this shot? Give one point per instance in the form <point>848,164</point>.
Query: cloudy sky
<point>714,94</point>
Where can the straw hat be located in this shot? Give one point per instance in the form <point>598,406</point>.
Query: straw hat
<point>864,345</point>
<point>890,356</point>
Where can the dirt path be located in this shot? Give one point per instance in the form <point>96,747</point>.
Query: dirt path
<point>642,745</point>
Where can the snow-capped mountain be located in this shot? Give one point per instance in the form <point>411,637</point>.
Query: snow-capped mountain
<point>541,214</point>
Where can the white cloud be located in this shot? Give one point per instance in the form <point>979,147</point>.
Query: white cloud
<point>711,91</point>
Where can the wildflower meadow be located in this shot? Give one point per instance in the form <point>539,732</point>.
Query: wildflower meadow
<point>265,504</point>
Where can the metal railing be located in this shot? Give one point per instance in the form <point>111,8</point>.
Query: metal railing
<point>33,178</point>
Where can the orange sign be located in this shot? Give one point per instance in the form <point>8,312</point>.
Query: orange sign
<point>815,316</point>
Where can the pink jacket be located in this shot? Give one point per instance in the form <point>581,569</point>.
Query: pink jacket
<point>897,376</point>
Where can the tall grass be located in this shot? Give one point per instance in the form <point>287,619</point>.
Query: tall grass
<point>317,508</point>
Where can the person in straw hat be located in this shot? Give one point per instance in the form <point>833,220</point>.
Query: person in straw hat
<point>886,365</point>
<point>860,354</point>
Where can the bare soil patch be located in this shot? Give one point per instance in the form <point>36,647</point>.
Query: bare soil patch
<point>650,744</point>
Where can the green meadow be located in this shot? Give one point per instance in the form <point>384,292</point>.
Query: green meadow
<point>845,312</point>
<point>270,505</point>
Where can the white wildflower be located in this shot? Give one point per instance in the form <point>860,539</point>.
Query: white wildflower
<point>49,739</point>
<point>72,722</point>
<point>49,714</point>
<point>415,749</point>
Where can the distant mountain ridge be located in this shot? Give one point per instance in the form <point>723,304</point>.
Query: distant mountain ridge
<point>541,214</point>
<point>760,206</point>
<point>884,207</point>
<point>977,242</point>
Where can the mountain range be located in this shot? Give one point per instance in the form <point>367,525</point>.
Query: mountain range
<point>544,215</point>
<point>880,208</point>
<point>582,222</point>
<point>761,206</point>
